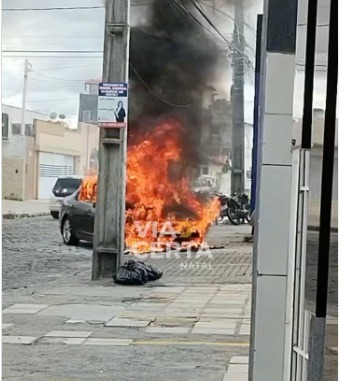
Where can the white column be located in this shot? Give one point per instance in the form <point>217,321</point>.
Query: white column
<point>273,233</point>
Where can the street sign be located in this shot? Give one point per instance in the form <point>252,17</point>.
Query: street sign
<point>112,105</point>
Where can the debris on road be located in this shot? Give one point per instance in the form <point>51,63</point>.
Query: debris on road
<point>136,273</point>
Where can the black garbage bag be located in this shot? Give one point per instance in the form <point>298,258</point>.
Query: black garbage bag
<point>153,272</point>
<point>130,273</point>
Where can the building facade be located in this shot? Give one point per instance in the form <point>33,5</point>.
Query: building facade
<point>88,103</point>
<point>31,163</point>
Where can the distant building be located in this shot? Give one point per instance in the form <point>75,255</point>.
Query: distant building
<point>32,162</point>
<point>248,133</point>
<point>11,121</point>
<point>216,139</point>
<point>88,102</point>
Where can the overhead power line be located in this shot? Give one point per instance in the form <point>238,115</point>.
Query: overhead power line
<point>59,68</point>
<point>46,36</point>
<point>52,8</point>
<point>220,34</point>
<point>225,14</point>
<point>66,67</point>
<point>49,56</point>
<point>52,100</point>
<point>65,83</point>
<point>156,95</point>
<point>58,79</point>
<point>67,8</point>
<point>54,51</point>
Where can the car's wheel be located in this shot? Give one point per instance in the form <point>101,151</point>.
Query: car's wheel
<point>55,215</point>
<point>69,237</point>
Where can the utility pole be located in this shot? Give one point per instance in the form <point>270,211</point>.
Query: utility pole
<point>256,113</point>
<point>238,62</point>
<point>110,207</point>
<point>23,112</point>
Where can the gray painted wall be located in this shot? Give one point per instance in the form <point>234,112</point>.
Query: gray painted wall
<point>88,102</point>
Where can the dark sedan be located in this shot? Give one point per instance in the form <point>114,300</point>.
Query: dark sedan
<point>76,220</point>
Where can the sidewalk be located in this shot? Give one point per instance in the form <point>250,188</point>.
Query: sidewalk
<point>314,216</point>
<point>127,333</point>
<point>29,208</point>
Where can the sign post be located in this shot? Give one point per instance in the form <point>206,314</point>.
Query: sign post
<point>112,105</point>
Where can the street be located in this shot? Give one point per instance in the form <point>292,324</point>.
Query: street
<point>34,254</point>
<point>189,324</point>
<point>192,324</point>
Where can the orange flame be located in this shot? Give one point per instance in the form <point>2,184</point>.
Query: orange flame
<point>159,210</point>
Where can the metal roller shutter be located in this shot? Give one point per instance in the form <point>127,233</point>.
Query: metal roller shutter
<point>52,166</point>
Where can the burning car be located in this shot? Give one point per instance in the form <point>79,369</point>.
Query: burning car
<point>156,196</point>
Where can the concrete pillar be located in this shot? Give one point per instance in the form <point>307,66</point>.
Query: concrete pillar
<point>273,233</point>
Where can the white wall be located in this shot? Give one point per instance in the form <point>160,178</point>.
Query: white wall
<point>15,145</point>
<point>15,114</point>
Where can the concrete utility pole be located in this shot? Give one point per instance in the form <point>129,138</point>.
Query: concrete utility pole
<point>276,199</point>
<point>238,62</point>
<point>110,207</point>
<point>256,113</point>
<point>23,112</point>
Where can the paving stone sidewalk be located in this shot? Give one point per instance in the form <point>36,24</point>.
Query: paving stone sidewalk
<point>28,208</point>
<point>197,319</point>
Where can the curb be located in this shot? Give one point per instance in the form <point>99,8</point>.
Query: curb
<point>13,216</point>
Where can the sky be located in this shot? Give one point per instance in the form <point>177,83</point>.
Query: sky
<point>56,80</point>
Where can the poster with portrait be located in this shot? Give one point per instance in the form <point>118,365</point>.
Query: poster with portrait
<point>113,105</point>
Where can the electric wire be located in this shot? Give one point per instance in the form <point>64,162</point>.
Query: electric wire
<point>52,100</point>
<point>154,93</point>
<point>58,79</point>
<point>52,8</point>
<point>54,51</point>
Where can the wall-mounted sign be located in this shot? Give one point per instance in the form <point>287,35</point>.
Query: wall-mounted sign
<point>113,105</point>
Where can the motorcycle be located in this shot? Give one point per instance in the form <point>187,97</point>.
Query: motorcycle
<point>238,210</point>
<point>224,202</point>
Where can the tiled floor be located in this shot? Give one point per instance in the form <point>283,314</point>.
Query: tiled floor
<point>237,369</point>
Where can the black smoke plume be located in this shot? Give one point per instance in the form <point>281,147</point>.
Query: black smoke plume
<point>171,59</point>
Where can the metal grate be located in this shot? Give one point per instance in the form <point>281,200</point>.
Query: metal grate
<point>50,170</point>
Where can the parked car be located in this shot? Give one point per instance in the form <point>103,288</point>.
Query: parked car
<point>76,220</point>
<point>205,184</point>
<point>64,186</point>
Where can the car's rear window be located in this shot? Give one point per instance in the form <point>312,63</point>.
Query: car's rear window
<point>65,187</point>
